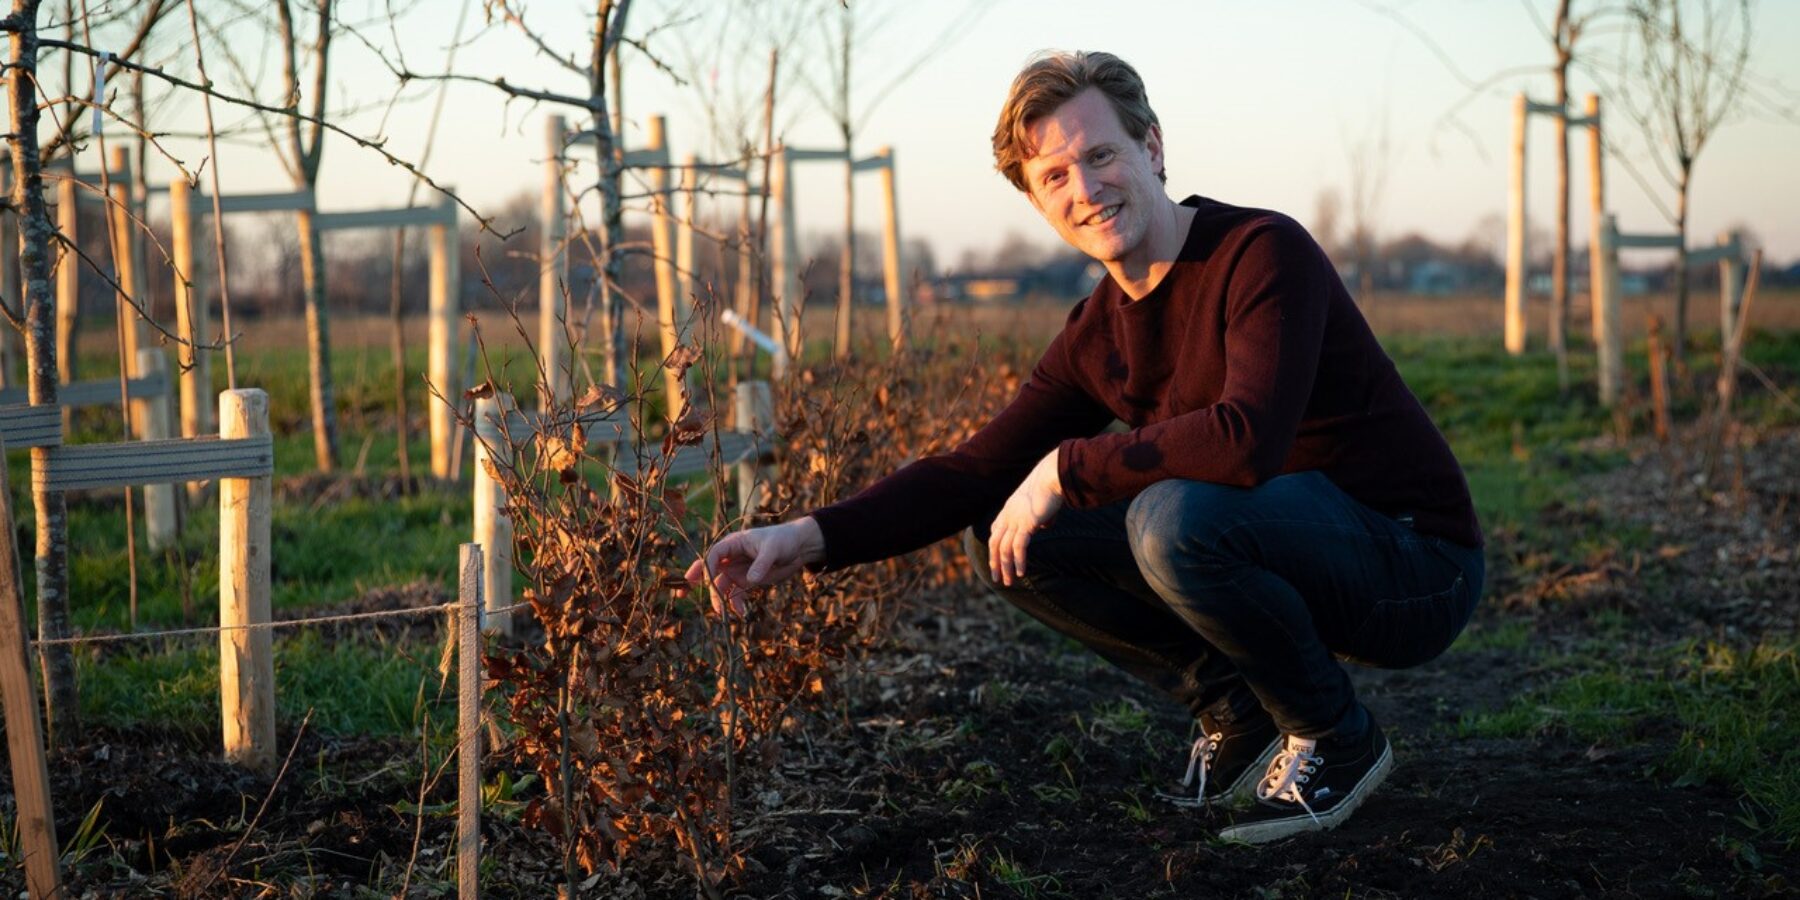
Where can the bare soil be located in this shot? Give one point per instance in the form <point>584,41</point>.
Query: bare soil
<point>977,754</point>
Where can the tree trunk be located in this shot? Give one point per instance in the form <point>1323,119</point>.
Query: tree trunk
<point>1681,265</point>
<point>318,345</point>
<point>612,228</point>
<point>51,509</point>
<point>847,266</point>
<point>1559,264</point>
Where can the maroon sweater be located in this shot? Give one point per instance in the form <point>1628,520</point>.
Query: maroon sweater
<point>1247,361</point>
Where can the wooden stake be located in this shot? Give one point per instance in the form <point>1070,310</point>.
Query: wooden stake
<point>684,237</point>
<point>1659,379</point>
<point>893,272</point>
<point>1731,284</point>
<point>493,529</point>
<point>1605,276</point>
<point>441,355</point>
<point>755,414</point>
<point>162,526</point>
<point>745,301</point>
<point>190,317</point>
<point>24,730</point>
<point>662,244</point>
<point>246,666</point>
<point>68,282</point>
<point>468,724</point>
<point>118,216</point>
<point>1733,351</point>
<point>553,276</point>
<point>1516,274</point>
<point>785,274</point>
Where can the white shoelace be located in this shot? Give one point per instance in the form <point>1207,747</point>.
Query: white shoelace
<point>1289,771</point>
<point>1200,758</point>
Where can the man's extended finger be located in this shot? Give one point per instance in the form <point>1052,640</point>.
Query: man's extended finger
<point>996,534</point>
<point>696,572</point>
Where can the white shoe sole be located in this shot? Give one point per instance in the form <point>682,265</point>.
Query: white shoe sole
<point>1265,832</point>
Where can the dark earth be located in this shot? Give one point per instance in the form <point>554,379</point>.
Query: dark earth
<point>977,754</point>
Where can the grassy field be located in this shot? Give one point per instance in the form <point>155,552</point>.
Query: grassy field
<point>356,541</point>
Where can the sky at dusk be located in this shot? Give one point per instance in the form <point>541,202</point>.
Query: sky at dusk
<point>1261,104</point>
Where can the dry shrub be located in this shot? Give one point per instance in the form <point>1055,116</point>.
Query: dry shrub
<point>637,709</point>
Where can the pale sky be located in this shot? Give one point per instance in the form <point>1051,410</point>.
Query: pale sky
<point>1260,102</point>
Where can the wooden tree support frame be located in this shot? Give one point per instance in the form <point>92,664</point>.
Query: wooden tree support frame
<point>673,242</point>
<point>188,207</point>
<point>242,459</point>
<point>1517,290</point>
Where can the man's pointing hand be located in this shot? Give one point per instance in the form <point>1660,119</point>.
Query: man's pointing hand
<point>757,557</point>
<point>1033,504</point>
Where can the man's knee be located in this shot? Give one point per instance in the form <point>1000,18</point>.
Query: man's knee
<point>1174,523</point>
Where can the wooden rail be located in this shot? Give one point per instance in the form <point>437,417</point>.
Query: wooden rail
<point>172,461</point>
<point>96,393</point>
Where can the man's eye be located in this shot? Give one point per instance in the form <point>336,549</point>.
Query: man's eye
<point>1053,178</point>
<point>1101,156</point>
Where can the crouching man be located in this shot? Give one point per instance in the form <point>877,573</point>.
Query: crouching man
<point>1279,500</point>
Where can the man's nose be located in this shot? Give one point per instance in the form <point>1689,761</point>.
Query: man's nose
<point>1082,182</point>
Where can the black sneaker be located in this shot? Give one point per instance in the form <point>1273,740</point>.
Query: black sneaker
<point>1226,761</point>
<point>1312,786</point>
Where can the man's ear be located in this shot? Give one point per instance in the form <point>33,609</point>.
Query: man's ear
<point>1154,146</point>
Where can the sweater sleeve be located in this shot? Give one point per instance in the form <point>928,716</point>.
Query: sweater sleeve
<point>1276,302</point>
<point>937,496</point>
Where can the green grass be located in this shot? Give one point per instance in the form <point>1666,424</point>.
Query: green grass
<point>359,686</point>
<point>1736,713</point>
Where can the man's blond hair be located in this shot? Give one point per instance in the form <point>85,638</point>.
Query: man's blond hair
<point>1053,78</point>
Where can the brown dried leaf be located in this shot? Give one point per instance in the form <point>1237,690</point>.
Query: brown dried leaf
<point>683,358</point>
<point>559,452</point>
<point>479,392</point>
<point>599,395</point>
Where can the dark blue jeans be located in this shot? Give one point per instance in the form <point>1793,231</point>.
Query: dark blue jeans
<point>1230,599</point>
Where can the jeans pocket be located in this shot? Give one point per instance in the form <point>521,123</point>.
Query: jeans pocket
<point>1402,633</point>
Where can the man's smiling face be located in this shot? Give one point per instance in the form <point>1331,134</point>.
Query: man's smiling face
<point>1095,185</point>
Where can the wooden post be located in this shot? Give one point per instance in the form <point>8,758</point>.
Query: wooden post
<point>161,525</point>
<point>190,317</point>
<point>754,414</point>
<point>493,528</point>
<point>1516,274</point>
<point>68,280</point>
<point>553,274</point>
<point>125,269</point>
<point>246,665</point>
<point>1731,351</point>
<point>662,244</point>
<point>1659,379</point>
<point>468,723</point>
<point>745,300</point>
<point>684,237</point>
<point>24,729</point>
<point>441,355</point>
<point>785,274</point>
<point>893,272</point>
<point>1603,269</point>
<point>1731,284</point>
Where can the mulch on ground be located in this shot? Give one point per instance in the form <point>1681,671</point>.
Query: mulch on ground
<point>977,754</point>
